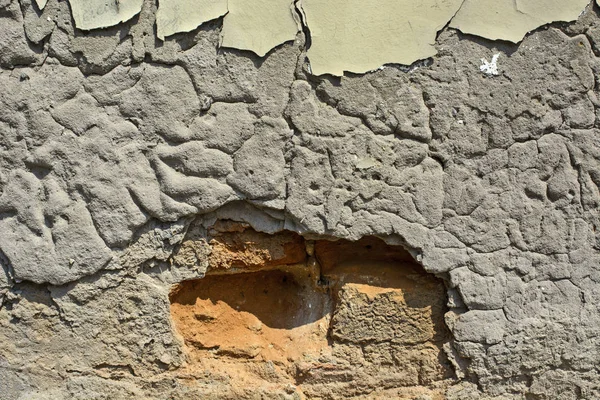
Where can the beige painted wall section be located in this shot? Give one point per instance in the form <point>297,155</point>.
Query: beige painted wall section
<point>358,36</point>
<point>512,19</point>
<point>259,25</point>
<point>94,14</point>
<point>347,35</point>
<point>175,16</point>
<point>41,3</point>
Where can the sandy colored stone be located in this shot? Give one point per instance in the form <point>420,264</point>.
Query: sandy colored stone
<point>251,314</point>
<point>236,246</point>
<point>372,316</point>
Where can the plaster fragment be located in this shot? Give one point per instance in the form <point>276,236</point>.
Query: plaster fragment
<point>512,19</point>
<point>490,68</point>
<point>175,16</point>
<point>259,25</point>
<point>93,14</point>
<point>359,36</point>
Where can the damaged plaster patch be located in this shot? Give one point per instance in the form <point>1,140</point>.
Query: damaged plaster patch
<point>512,19</point>
<point>358,37</point>
<point>259,26</point>
<point>305,310</point>
<point>175,16</point>
<point>93,14</point>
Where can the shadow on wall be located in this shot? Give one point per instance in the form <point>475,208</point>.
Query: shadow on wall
<point>342,311</point>
<point>275,299</point>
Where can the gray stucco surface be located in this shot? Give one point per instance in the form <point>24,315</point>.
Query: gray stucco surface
<point>112,142</point>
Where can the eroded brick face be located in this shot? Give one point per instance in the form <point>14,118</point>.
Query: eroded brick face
<point>325,318</point>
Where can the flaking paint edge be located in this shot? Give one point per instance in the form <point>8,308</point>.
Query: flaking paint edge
<point>175,16</point>
<point>511,20</point>
<point>95,14</point>
<point>41,3</point>
<point>410,29</point>
<point>392,31</point>
<point>259,26</point>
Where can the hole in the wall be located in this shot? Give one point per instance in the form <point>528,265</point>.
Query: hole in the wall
<point>264,315</point>
<point>319,315</point>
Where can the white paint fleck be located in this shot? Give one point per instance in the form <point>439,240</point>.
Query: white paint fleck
<point>490,68</point>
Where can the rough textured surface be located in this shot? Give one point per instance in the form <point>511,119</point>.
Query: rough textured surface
<point>115,145</point>
<point>344,319</point>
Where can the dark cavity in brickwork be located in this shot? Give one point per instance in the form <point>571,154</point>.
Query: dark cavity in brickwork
<point>326,318</point>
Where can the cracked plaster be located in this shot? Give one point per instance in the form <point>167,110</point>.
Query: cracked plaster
<point>108,156</point>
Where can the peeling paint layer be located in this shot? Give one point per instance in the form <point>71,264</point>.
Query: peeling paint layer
<point>358,36</point>
<point>93,14</point>
<point>512,19</point>
<point>352,35</point>
<point>259,26</point>
<point>175,16</point>
<point>41,3</point>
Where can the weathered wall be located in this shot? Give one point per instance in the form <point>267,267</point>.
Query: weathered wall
<point>113,143</point>
<point>328,319</point>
